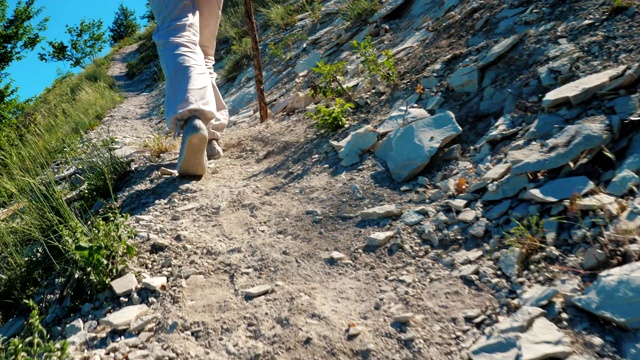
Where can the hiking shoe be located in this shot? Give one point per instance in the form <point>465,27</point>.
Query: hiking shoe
<point>193,160</point>
<point>214,150</point>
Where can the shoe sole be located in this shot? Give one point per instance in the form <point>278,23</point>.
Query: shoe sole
<point>194,159</point>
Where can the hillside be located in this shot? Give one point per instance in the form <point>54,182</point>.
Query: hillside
<point>482,201</point>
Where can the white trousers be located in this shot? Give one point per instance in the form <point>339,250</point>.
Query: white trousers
<point>186,40</point>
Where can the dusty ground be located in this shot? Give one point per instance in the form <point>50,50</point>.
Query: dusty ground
<point>270,213</point>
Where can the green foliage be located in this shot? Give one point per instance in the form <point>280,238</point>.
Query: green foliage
<point>239,58</point>
<point>86,41</point>
<point>124,25</point>
<point>148,56</point>
<point>280,16</point>
<point>527,235</point>
<point>159,144</point>
<point>101,249</point>
<point>331,119</point>
<point>359,11</point>
<point>148,15</point>
<point>283,49</point>
<point>385,68</point>
<point>619,6</point>
<point>313,7</point>
<point>20,33</point>
<point>330,76</point>
<point>233,24</point>
<point>34,342</point>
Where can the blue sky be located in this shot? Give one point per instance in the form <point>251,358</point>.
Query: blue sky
<point>30,74</point>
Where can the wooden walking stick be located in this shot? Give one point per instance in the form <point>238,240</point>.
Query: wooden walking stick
<point>257,63</point>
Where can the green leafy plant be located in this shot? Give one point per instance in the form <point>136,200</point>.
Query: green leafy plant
<point>331,119</point>
<point>159,144</point>
<point>313,7</point>
<point>527,235</point>
<point>619,6</point>
<point>283,49</point>
<point>102,251</point>
<point>330,82</point>
<point>34,342</point>
<point>124,25</point>
<point>359,11</point>
<point>86,41</point>
<point>385,68</point>
<point>280,16</point>
<point>238,59</point>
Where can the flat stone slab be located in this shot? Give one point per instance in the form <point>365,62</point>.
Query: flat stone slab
<point>538,295</point>
<point>354,145</point>
<point>400,117</point>
<point>123,318</point>
<point>124,285</point>
<point>521,320</point>
<point>465,79</point>
<point>380,238</point>
<point>189,207</point>
<point>497,347</point>
<point>411,218</point>
<point>560,189</point>
<point>506,188</point>
<point>498,50</point>
<point>409,149</point>
<point>615,296</point>
<point>623,182</point>
<point>594,202</point>
<point>582,89</point>
<point>155,283</point>
<point>563,148</point>
<point>380,212</point>
<point>307,63</point>
<point>496,173</point>
<point>257,291</point>
<point>545,341</point>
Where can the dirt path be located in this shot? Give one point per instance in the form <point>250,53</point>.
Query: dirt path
<point>270,213</point>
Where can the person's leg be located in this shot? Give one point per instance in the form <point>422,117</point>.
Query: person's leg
<point>210,12</point>
<point>189,100</point>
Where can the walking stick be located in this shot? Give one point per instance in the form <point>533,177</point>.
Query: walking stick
<point>257,63</point>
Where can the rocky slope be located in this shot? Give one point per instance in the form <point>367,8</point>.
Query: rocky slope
<point>493,215</point>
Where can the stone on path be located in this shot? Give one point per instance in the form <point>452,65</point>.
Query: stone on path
<point>75,334</point>
<point>468,216</point>
<point>615,296</point>
<point>380,212</point>
<point>123,318</point>
<point>582,89</point>
<point>538,295</point>
<point>401,117</point>
<point>521,320</point>
<point>510,262</point>
<point>593,259</point>
<point>498,210</point>
<point>403,318</point>
<point>380,238</point>
<point>594,202</point>
<point>411,218</point>
<point>496,173</point>
<point>409,149</point>
<point>623,182</point>
<point>544,341</point>
<point>124,285</point>
<point>155,283</point>
<point>632,156</point>
<point>337,256</point>
<point>168,172</point>
<point>189,207</point>
<point>497,347</point>
<point>257,291</point>
<point>354,145</point>
<point>563,148</point>
<point>507,187</point>
<point>560,189</point>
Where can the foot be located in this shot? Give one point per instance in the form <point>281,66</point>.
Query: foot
<point>193,160</point>
<point>214,150</point>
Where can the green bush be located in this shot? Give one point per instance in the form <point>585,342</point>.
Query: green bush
<point>329,84</point>
<point>385,68</point>
<point>359,11</point>
<point>239,58</point>
<point>34,342</point>
<point>331,119</point>
<point>280,16</point>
